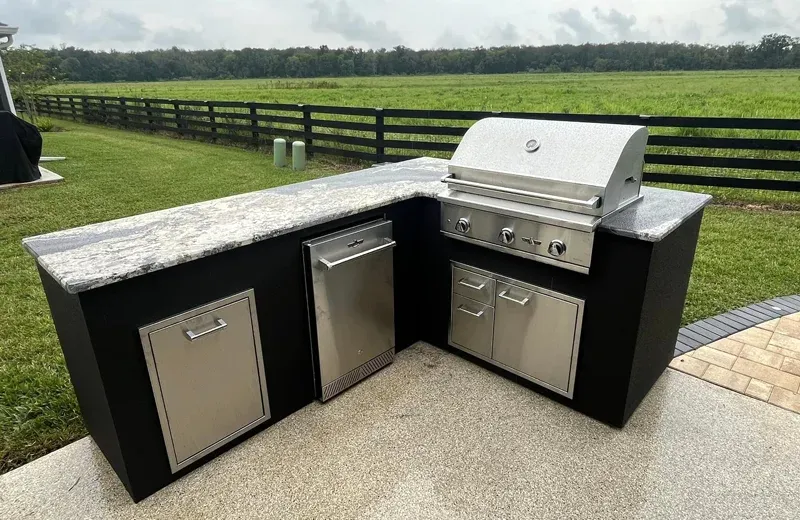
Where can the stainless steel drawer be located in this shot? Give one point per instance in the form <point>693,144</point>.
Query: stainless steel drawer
<point>475,286</point>
<point>471,325</point>
<point>536,334</point>
<point>207,373</point>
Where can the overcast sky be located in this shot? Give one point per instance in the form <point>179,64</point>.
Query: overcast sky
<point>233,24</point>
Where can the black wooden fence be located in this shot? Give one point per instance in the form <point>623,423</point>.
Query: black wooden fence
<point>755,153</point>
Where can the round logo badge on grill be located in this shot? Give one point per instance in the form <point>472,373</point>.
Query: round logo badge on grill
<point>532,145</point>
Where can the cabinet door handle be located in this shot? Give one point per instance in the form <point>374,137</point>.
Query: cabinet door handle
<point>388,243</point>
<point>469,285</point>
<point>504,295</point>
<point>593,203</point>
<point>465,310</point>
<point>220,324</point>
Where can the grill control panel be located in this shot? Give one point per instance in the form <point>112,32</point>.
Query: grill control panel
<point>555,245</point>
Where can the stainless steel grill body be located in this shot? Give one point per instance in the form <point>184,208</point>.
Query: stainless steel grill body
<point>539,189</point>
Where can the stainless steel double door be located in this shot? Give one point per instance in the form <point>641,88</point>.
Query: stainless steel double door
<point>353,297</point>
<point>528,330</point>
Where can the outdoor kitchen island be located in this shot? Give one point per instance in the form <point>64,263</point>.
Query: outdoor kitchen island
<point>106,281</point>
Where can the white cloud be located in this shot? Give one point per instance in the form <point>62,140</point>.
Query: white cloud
<point>749,18</point>
<point>339,18</point>
<point>126,25</point>
<point>452,39</point>
<point>74,22</point>
<point>179,37</point>
<point>505,34</point>
<point>621,25</point>
<point>576,28</point>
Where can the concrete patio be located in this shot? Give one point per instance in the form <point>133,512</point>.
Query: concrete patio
<point>434,436</point>
<point>48,177</point>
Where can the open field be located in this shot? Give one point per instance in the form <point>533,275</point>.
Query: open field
<point>766,94</point>
<point>112,173</point>
<point>773,93</point>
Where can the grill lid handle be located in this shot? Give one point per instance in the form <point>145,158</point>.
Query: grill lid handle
<point>593,203</point>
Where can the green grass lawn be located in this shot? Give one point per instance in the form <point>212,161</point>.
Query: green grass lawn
<point>744,256</point>
<point>109,174</point>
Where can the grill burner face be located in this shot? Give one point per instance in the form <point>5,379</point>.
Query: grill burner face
<point>539,189</point>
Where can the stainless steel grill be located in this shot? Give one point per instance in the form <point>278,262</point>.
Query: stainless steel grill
<point>539,189</point>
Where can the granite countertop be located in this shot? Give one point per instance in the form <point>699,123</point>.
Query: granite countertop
<point>100,254</point>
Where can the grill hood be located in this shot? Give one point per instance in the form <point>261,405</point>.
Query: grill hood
<point>588,168</point>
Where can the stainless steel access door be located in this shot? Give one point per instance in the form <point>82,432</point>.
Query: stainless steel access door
<point>207,372</point>
<point>353,297</point>
<point>537,333</point>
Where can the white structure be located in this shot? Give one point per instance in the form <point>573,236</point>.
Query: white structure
<point>6,39</point>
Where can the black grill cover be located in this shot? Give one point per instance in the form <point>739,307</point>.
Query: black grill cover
<point>20,150</point>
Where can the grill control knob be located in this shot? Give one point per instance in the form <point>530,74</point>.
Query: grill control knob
<point>462,226</point>
<point>506,236</point>
<point>557,248</point>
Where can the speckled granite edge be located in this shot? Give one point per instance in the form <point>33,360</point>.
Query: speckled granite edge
<point>96,255</point>
<point>658,214</point>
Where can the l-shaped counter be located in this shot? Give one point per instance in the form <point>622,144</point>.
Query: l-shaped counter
<point>105,281</point>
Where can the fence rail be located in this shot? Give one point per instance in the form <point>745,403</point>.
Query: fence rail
<point>388,135</point>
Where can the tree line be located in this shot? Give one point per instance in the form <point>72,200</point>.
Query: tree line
<point>74,64</point>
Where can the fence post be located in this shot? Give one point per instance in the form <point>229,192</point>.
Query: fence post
<point>122,111</point>
<point>74,105</point>
<point>47,106</point>
<point>178,123</point>
<point>308,130</point>
<point>150,125</point>
<point>213,119</point>
<point>254,122</point>
<point>380,149</point>
<point>86,111</point>
<point>103,110</point>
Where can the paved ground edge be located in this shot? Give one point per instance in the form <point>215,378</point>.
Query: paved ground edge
<point>709,330</point>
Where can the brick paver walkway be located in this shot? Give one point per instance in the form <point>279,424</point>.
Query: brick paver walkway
<point>762,362</point>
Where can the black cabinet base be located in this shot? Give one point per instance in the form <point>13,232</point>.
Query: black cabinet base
<point>98,332</point>
<point>634,299</point>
